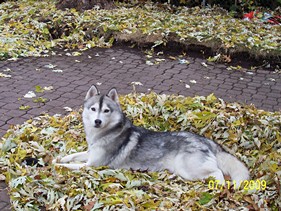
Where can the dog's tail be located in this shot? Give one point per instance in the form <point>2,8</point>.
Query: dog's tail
<point>230,165</point>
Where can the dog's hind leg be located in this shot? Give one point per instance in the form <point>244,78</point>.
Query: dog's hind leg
<point>218,175</point>
<point>198,166</point>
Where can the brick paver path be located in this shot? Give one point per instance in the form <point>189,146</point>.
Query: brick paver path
<point>118,67</point>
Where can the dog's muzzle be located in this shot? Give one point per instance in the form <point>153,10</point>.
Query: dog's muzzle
<point>98,123</point>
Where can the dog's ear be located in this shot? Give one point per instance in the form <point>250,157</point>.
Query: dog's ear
<point>92,92</point>
<point>112,94</point>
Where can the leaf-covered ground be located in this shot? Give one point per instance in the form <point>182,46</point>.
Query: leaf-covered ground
<point>31,27</point>
<point>252,135</point>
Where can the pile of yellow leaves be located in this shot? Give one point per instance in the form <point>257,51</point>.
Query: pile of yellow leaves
<point>33,28</point>
<point>250,134</point>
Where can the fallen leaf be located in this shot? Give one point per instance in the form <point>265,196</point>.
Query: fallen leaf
<point>214,59</point>
<point>67,109</point>
<point>29,94</point>
<point>50,66</point>
<point>184,61</point>
<point>39,89</point>
<point>40,100</point>
<point>204,64</point>
<point>57,71</point>
<point>2,177</point>
<point>24,107</point>
<point>137,83</point>
<point>2,75</point>
<point>7,70</point>
<point>149,63</point>
<point>48,88</point>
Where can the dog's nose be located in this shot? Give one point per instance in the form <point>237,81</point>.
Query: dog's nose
<point>98,122</point>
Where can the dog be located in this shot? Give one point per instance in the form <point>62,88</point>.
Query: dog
<point>115,142</point>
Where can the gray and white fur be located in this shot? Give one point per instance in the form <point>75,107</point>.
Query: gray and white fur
<point>115,142</point>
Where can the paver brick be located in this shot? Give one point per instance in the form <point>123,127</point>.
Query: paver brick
<point>270,102</point>
<point>15,121</point>
<point>14,112</point>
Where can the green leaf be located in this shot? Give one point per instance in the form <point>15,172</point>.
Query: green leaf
<point>24,107</point>
<point>39,89</point>
<point>211,98</point>
<point>205,198</point>
<point>40,100</point>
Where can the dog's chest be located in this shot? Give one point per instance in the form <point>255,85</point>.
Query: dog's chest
<point>101,151</point>
<point>97,156</point>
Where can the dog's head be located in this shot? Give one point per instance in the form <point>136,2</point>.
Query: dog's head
<point>101,110</point>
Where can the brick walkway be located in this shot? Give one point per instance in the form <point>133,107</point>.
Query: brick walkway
<point>118,67</point>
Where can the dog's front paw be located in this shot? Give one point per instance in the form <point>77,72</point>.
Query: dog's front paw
<point>57,160</point>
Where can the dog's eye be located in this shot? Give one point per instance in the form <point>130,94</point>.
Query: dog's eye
<point>106,110</point>
<point>93,109</point>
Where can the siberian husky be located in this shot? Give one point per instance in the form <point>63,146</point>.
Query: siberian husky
<point>115,142</point>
